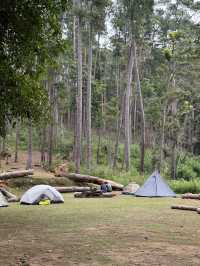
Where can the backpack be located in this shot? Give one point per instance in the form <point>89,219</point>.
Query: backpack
<point>109,188</point>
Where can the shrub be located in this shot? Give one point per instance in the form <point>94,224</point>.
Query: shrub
<point>188,167</point>
<point>183,186</point>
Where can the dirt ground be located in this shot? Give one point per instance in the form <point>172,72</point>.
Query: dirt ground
<point>120,231</point>
<point>21,164</point>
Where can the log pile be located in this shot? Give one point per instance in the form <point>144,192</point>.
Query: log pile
<point>191,196</point>
<point>9,175</point>
<point>94,194</point>
<point>8,195</point>
<point>16,174</point>
<point>186,208</point>
<point>72,189</point>
<point>93,179</point>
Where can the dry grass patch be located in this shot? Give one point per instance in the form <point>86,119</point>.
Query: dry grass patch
<point>120,231</point>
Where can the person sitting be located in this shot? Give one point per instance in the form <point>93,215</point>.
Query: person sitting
<point>104,187</point>
<point>109,187</point>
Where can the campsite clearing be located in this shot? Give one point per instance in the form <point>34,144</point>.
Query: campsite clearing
<point>119,231</point>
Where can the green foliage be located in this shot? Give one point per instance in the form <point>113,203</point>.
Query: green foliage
<point>99,88</point>
<point>30,40</point>
<point>188,167</point>
<point>134,15</point>
<point>167,53</point>
<point>122,176</point>
<point>23,138</point>
<point>148,159</point>
<point>183,186</point>
<point>175,35</point>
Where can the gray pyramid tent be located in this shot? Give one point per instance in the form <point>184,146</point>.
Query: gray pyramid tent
<point>36,193</point>
<point>155,186</point>
<point>3,201</point>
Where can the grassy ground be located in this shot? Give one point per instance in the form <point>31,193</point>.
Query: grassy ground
<point>120,231</point>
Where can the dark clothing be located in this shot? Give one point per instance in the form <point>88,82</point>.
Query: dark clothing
<point>104,188</point>
<point>109,187</point>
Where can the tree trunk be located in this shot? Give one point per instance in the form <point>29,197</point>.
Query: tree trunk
<point>17,140</point>
<point>162,137</point>
<point>173,160</point>
<point>119,128</point>
<point>96,57</point>
<point>134,118</point>
<point>103,112</point>
<point>29,159</point>
<point>88,106</point>
<point>191,129</point>
<point>43,144</point>
<point>79,93</point>
<point>127,108</point>
<point>109,150</point>
<point>98,146</point>
<point>171,77</point>
<point>74,83</point>
<point>139,91</point>
<point>51,126</point>
<point>56,116</point>
<point>74,33</point>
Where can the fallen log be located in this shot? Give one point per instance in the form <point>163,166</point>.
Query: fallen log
<point>191,196</point>
<point>93,179</point>
<point>94,194</point>
<point>16,174</point>
<point>183,207</point>
<point>72,189</point>
<point>9,196</point>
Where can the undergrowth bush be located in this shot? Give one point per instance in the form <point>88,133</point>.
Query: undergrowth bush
<point>117,175</point>
<point>183,186</point>
<point>188,167</point>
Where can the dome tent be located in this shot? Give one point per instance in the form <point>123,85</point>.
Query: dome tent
<point>3,201</point>
<point>155,186</point>
<point>38,192</point>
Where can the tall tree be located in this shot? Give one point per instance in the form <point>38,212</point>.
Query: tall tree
<point>127,107</point>
<point>89,91</point>
<point>131,20</point>
<point>77,5</point>
<point>139,92</point>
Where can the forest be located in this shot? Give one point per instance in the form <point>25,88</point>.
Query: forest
<point>99,132</point>
<point>111,87</point>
